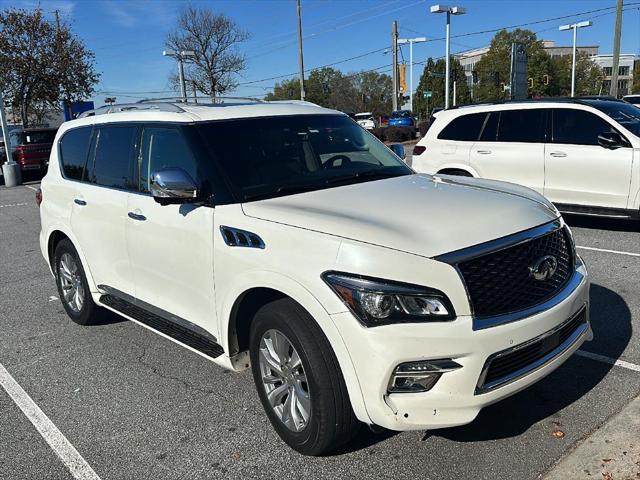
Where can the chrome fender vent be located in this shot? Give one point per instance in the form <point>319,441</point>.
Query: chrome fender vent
<point>234,237</point>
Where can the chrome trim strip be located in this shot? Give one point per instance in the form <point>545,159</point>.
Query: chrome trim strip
<point>581,331</point>
<point>492,246</point>
<point>480,323</point>
<point>168,316</point>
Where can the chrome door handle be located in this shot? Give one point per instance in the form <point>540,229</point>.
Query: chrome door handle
<point>483,152</point>
<point>79,201</point>
<point>558,154</point>
<point>137,216</point>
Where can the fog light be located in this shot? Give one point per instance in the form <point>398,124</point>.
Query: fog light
<point>419,376</point>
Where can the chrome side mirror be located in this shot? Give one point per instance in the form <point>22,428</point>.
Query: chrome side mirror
<point>173,185</point>
<point>398,149</point>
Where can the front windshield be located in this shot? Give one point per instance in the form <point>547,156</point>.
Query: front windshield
<point>275,156</point>
<point>625,114</point>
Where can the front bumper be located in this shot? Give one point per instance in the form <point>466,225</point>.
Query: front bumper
<point>455,398</point>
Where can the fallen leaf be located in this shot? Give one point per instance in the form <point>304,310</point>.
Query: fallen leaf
<point>607,476</point>
<point>557,434</point>
<point>236,456</point>
<point>605,460</point>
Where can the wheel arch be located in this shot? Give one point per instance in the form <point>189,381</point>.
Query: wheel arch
<point>245,299</point>
<point>455,170</point>
<point>55,235</point>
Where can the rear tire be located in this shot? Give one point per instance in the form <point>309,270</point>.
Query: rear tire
<point>330,421</point>
<point>72,285</point>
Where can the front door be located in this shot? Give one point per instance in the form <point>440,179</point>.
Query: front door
<point>171,246</point>
<point>578,170</point>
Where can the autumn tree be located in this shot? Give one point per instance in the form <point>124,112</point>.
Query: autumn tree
<point>42,63</point>
<point>214,38</point>
<point>432,80</point>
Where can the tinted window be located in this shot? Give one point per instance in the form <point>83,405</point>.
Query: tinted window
<point>490,130</point>
<point>39,136</point>
<point>577,127</point>
<point>634,100</point>
<point>626,115</point>
<point>521,126</point>
<point>164,148</point>
<point>466,127</point>
<point>73,152</point>
<point>113,154</point>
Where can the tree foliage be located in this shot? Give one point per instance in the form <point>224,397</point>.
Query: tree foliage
<point>636,77</point>
<point>214,38</point>
<point>42,63</point>
<point>436,85</point>
<point>328,87</point>
<point>588,76</point>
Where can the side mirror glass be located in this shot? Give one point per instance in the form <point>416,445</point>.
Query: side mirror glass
<point>610,140</point>
<point>398,149</point>
<point>173,185</point>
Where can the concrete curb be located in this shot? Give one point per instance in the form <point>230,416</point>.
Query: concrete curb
<point>612,452</point>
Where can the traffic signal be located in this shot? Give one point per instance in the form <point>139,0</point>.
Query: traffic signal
<point>545,79</point>
<point>530,82</point>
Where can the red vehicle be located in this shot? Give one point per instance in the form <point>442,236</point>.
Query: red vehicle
<point>31,147</point>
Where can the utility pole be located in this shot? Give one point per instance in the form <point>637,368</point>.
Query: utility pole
<point>10,169</point>
<point>394,54</point>
<point>300,59</point>
<point>180,56</point>
<point>616,51</point>
<point>195,91</point>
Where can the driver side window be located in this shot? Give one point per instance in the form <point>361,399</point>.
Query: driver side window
<point>163,147</point>
<point>578,127</point>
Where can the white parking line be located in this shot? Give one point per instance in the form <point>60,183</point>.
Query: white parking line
<point>609,360</point>
<point>31,187</point>
<point>14,205</point>
<point>631,254</point>
<point>77,465</point>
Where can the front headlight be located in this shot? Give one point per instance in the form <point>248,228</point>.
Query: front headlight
<point>380,302</point>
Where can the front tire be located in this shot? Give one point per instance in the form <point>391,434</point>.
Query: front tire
<point>298,379</point>
<point>72,284</point>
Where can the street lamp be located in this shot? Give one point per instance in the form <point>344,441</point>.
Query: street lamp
<point>411,41</point>
<point>449,11</point>
<point>180,57</point>
<point>574,27</point>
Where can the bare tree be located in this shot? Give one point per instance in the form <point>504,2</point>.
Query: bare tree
<point>214,38</point>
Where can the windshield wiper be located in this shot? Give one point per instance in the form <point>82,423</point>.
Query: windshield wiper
<point>378,173</point>
<point>282,190</point>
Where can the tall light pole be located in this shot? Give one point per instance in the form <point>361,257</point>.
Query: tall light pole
<point>300,59</point>
<point>574,27</point>
<point>449,11</point>
<point>411,41</point>
<point>181,56</point>
<point>394,62</point>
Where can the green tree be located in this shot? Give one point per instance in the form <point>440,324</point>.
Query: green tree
<point>42,63</point>
<point>436,85</point>
<point>636,77</point>
<point>588,76</point>
<point>494,68</point>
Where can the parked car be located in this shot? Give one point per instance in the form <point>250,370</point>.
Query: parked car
<point>282,238</point>
<point>579,153</point>
<point>31,147</point>
<point>402,118</point>
<point>366,120</point>
<point>634,99</point>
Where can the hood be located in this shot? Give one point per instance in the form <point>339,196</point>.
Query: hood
<point>418,214</point>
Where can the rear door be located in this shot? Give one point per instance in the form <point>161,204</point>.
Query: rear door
<point>100,206</point>
<point>455,142</point>
<point>578,170</point>
<point>511,147</point>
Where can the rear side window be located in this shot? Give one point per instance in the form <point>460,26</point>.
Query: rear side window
<point>577,127</point>
<point>73,152</point>
<point>465,128</point>
<point>114,147</point>
<point>164,148</point>
<point>526,126</point>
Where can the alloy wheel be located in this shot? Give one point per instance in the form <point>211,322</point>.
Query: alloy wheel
<point>71,282</point>
<point>284,380</point>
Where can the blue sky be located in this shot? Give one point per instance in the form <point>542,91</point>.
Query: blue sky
<point>127,36</point>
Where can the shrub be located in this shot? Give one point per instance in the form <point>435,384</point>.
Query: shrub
<point>423,127</point>
<point>379,133</point>
<point>396,134</point>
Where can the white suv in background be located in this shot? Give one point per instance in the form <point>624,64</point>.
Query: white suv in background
<point>284,238</point>
<point>366,120</point>
<point>582,154</point>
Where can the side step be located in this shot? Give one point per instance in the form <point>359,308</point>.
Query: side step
<point>179,333</point>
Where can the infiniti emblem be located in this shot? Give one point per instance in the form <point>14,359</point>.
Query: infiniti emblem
<point>544,268</point>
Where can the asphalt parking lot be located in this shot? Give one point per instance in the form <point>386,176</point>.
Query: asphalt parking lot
<point>135,405</point>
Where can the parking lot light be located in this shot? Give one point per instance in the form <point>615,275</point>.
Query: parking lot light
<point>574,27</point>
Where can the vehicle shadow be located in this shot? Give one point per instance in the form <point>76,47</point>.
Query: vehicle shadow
<point>611,323</point>
<point>602,223</point>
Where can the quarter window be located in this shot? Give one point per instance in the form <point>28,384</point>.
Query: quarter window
<point>163,148</point>
<point>73,152</point>
<point>465,128</point>
<point>577,127</point>
<point>114,147</point>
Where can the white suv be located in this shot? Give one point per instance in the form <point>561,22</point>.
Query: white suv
<point>582,154</point>
<point>284,238</point>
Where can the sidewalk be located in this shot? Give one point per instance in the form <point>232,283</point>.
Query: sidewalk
<point>610,453</point>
